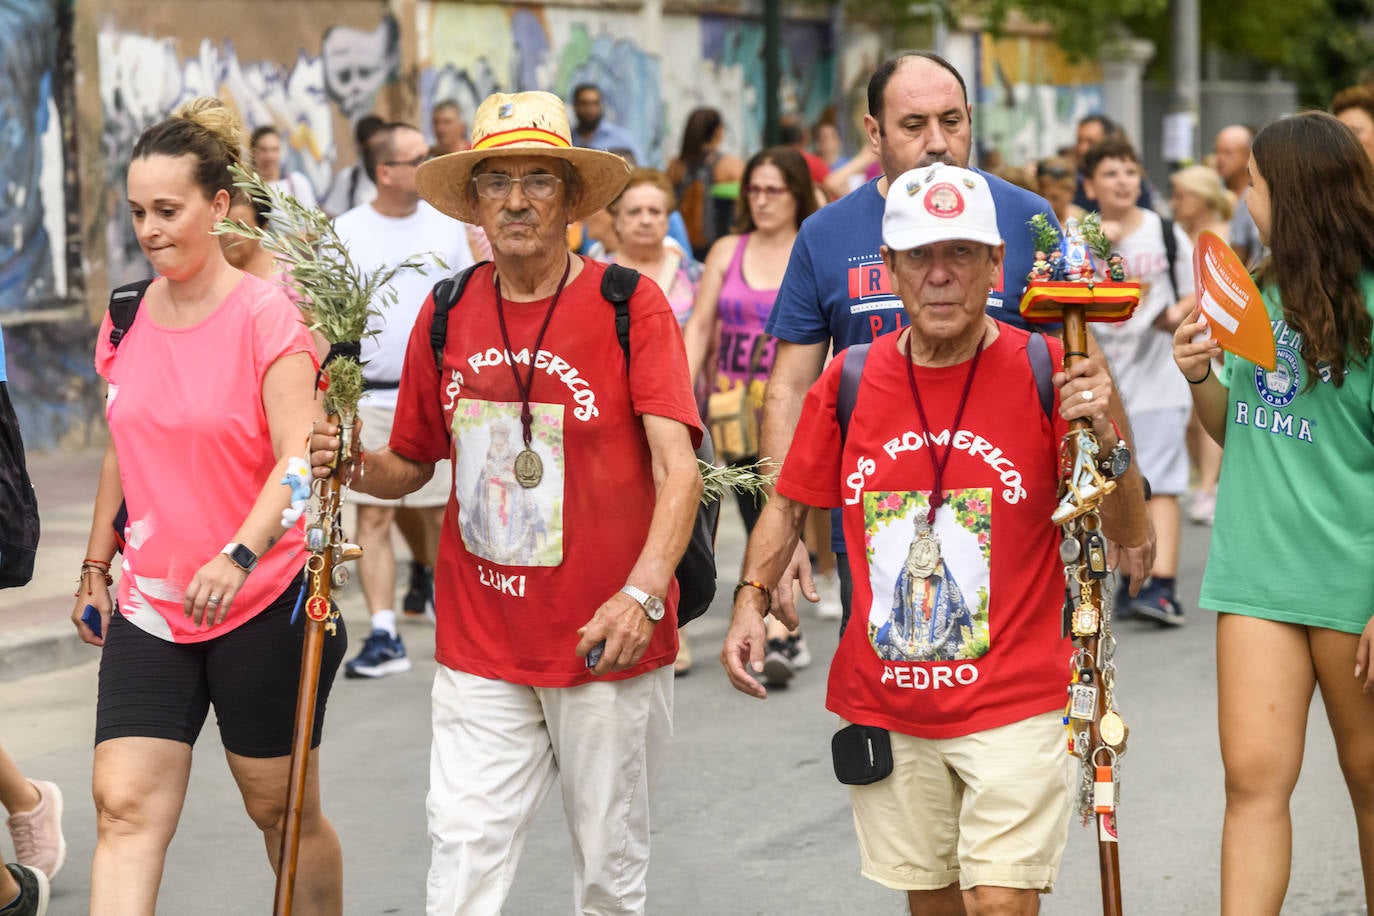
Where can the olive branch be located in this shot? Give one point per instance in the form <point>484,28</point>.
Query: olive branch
<point>1097,240</point>
<point>339,298</point>
<point>719,482</point>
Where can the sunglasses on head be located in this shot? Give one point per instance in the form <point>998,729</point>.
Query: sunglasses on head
<point>1057,172</point>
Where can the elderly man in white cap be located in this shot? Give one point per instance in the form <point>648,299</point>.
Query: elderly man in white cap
<point>936,445</point>
<point>574,492</point>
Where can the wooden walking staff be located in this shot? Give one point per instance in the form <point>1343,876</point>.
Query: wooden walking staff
<point>324,538</point>
<point>339,299</point>
<point>1068,293</point>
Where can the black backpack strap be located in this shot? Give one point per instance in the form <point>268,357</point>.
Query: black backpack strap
<point>124,302</point>
<point>617,286</point>
<point>1171,252</point>
<point>850,373</point>
<point>447,292</point>
<point>1038,352</point>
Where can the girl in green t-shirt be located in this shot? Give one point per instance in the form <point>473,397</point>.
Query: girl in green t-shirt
<point>1290,567</point>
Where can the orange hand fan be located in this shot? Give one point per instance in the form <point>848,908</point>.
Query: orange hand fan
<point>1231,301</point>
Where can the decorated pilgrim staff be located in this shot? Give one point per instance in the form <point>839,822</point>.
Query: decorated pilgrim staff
<point>936,446</point>
<point>1289,569</point>
<point>573,496</point>
<point>211,391</point>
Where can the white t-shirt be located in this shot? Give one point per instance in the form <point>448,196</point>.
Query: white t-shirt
<point>1141,355</point>
<point>374,241</point>
<point>351,188</point>
<point>298,186</point>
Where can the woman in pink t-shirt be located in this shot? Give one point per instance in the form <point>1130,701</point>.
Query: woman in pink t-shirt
<point>210,391</point>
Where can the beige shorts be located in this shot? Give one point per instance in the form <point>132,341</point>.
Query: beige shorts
<point>376,434</point>
<point>987,809</point>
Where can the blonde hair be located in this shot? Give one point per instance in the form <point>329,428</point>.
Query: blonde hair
<point>205,129</point>
<point>652,177</point>
<point>1205,182</point>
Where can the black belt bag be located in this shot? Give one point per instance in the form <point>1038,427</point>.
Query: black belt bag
<point>862,754</point>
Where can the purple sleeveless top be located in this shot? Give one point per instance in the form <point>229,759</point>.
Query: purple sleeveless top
<point>746,352</point>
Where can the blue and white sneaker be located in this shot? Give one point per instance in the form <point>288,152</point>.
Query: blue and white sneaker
<point>382,654</point>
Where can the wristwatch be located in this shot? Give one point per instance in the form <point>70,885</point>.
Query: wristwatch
<point>653,606</point>
<point>241,556</point>
<point>1116,462</point>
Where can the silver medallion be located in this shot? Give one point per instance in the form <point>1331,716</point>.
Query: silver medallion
<point>924,555</point>
<point>529,469</point>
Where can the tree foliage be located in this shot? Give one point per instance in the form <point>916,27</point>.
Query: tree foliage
<point>1321,45</point>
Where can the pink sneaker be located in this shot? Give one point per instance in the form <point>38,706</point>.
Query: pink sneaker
<point>37,834</point>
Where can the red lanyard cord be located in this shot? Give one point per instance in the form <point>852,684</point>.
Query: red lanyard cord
<point>937,495</point>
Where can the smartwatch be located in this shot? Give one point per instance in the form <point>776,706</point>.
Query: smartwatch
<point>241,556</point>
<point>653,606</point>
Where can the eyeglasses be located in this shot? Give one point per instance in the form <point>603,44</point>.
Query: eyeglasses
<point>413,163</point>
<point>537,186</point>
<point>1057,172</point>
<point>766,193</point>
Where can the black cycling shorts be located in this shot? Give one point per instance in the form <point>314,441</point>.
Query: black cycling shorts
<point>155,688</point>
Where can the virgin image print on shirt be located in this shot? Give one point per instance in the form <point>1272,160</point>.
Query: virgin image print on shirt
<point>502,520</point>
<point>919,615</point>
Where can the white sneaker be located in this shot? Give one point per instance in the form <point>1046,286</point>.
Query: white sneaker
<point>829,608</point>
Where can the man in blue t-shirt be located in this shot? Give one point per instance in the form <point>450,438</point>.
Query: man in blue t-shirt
<point>836,290</point>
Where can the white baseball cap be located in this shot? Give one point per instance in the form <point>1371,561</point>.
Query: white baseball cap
<point>939,203</point>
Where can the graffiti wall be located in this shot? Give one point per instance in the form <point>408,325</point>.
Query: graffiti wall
<point>310,81</point>
<point>32,159</point>
<point>470,50</point>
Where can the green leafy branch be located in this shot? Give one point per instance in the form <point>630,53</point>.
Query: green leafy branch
<point>719,482</point>
<point>1097,240</point>
<point>339,298</point>
<point>1044,234</point>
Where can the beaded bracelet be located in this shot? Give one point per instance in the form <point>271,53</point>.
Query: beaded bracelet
<point>87,568</point>
<point>750,583</point>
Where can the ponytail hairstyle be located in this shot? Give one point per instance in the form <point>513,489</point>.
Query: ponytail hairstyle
<point>1321,236</point>
<point>206,130</point>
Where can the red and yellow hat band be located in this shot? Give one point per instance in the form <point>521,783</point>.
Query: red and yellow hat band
<point>531,135</point>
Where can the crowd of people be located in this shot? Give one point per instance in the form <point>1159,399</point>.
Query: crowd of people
<point>536,450</point>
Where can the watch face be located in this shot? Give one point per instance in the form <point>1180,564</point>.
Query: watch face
<point>654,608</point>
<point>1120,459</point>
<point>244,557</point>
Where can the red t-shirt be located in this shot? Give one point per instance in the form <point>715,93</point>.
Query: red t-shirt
<point>520,570</point>
<point>976,644</point>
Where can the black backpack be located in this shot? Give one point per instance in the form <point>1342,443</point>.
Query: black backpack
<point>1037,352</point>
<point>18,504</point>
<point>124,302</point>
<point>696,571</point>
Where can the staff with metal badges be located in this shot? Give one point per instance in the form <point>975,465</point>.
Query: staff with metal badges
<point>936,444</point>
<point>1289,569</point>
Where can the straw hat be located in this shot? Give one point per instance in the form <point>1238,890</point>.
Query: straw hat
<point>520,124</point>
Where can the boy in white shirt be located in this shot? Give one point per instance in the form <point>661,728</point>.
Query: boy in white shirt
<point>1139,351</point>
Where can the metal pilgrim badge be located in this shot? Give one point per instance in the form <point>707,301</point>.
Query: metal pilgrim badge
<point>529,469</point>
<point>924,555</point>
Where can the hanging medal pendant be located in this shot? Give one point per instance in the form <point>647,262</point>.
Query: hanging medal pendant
<point>924,555</point>
<point>1082,702</point>
<point>1085,618</point>
<point>1112,730</point>
<point>529,469</point>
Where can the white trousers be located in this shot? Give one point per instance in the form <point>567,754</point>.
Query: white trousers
<point>497,750</point>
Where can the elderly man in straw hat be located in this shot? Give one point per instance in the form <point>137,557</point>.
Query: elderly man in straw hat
<point>957,662</point>
<point>574,492</point>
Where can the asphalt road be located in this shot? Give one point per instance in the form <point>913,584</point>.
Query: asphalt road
<point>748,817</point>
